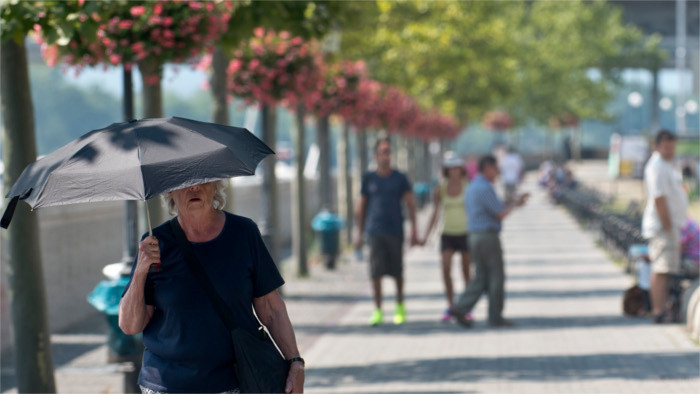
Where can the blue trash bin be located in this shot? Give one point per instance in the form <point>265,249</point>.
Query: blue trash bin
<point>328,226</point>
<point>422,192</point>
<point>105,298</point>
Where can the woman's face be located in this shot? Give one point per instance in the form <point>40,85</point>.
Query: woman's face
<point>454,173</point>
<point>194,198</point>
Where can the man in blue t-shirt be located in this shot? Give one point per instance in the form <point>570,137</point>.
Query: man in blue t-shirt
<point>380,215</point>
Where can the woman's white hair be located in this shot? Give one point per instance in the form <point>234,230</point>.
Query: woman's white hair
<point>218,202</point>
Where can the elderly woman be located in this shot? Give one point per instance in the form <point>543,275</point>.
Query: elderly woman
<point>187,345</point>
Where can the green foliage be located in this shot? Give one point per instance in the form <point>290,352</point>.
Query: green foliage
<point>307,19</point>
<point>18,19</point>
<point>530,59</point>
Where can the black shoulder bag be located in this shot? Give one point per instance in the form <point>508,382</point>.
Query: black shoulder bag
<point>258,364</point>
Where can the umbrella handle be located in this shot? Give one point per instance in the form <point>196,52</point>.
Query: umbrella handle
<point>153,267</point>
<point>148,218</point>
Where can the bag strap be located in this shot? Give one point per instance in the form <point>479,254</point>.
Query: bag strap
<point>201,275</point>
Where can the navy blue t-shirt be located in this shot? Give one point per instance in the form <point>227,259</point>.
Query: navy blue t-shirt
<point>384,194</point>
<point>187,345</point>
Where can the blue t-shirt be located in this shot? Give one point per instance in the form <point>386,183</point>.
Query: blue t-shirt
<point>187,345</point>
<point>384,194</point>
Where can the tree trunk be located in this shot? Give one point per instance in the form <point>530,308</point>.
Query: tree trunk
<point>361,162</point>
<point>402,154</point>
<point>153,108</point>
<point>220,105</point>
<point>411,157</point>
<point>33,364</point>
<point>299,195</point>
<point>269,222</point>
<point>324,163</point>
<point>345,184</point>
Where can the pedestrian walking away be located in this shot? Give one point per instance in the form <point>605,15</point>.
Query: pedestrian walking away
<point>512,173</point>
<point>380,216</point>
<point>664,215</point>
<point>485,212</point>
<point>188,345</point>
<point>448,197</point>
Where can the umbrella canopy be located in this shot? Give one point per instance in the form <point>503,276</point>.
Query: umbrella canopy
<point>137,160</point>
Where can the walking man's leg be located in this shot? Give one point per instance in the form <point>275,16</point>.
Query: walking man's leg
<point>396,251</point>
<point>496,282</point>
<point>377,254</point>
<point>476,286</point>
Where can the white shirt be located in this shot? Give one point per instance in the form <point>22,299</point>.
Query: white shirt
<point>511,167</point>
<point>662,179</point>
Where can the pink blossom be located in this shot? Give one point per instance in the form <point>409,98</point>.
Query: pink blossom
<point>195,5</point>
<point>235,65</point>
<point>125,24</point>
<point>158,8</point>
<point>204,63</point>
<point>115,59</point>
<point>167,21</point>
<point>137,10</point>
<point>137,47</point>
<point>259,32</point>
<point>50,54</point>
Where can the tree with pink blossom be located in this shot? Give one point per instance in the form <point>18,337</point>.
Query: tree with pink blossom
<point>144,33</point>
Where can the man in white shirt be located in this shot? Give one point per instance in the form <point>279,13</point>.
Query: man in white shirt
<point>663,218</point>
<point>511,173</point>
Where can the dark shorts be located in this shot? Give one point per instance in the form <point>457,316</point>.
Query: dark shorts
<point>458,243</point>
<point>385,256</point>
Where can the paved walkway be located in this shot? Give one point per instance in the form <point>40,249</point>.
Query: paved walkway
<point>563,293</point>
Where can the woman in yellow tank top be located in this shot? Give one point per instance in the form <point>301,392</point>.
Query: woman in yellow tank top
<point>449,196</point>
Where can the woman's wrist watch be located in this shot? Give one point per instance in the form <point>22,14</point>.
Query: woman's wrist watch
<point>295,359</point>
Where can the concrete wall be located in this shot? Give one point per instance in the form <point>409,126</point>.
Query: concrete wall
<point>77,241</point>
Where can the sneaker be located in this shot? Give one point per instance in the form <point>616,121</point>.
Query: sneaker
<point>446,316</point>
<point>377,317</point>
<point>461,319</point>
<point>400,314</point>
<point>503,323</point>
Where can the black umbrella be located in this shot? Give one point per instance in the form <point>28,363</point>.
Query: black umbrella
<point>137,160</point>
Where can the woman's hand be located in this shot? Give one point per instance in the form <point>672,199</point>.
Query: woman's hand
<point>295,379</point>
<point>149,253</point>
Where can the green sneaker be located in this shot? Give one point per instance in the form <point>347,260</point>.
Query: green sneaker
<point>400,314</point>
<point>377,317</point>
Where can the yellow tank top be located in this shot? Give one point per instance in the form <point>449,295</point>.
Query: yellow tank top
<point>454,215</point>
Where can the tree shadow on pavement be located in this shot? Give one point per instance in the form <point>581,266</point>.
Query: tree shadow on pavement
<point>424,327</point>
<point>633,366</point>
<point>564,294</point>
